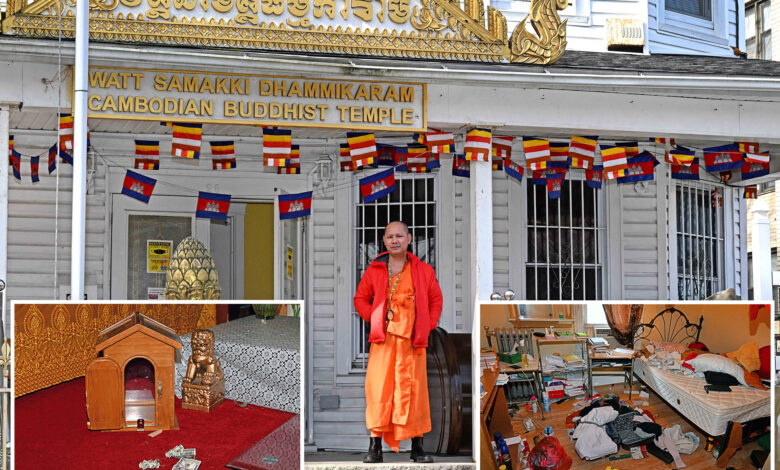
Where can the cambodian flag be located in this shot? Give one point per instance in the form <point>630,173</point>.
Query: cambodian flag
<point>538,177</point>
<point>640,168</point>
<point>292,206</point>
<point>377,185</point>
<point>16,162</point>
<point>754,170</point>
<point>594,177</point>
<point>34,168</point>
<point>683,172</point>
<point>52,158</point>
<point>722,157</point>
<point>554,184</point>
<point>386,155</point>
<point>212,205</point>
<point>514,170</point>
<point>138,186</point>
<point>461,166</point>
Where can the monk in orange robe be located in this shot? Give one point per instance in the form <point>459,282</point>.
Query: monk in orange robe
<point>400,297</point>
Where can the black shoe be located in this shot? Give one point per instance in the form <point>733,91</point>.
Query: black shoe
<point>418,454</point>
<point>374,451</point>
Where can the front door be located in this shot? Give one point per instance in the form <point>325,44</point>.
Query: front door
<point>105,395</point>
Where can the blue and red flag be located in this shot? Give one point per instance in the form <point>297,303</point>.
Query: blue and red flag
<point>554,185</point>
<point>461,167</point>
<point>401,158</point>
<point>52,158</point>
<point>16,162</point>
<point>34,161</point>
<point>377,185</point>
<point>640,168</point>
<point>433,162</point>
<point>513,170</point>
<point>754,170</point>
<point>594,178</point>
<point>538,177</point>
<point>386,155</point>
<point>292,206</point>
<point>138,186</point>
<point>722,157</point>
<point>212,205</point>
<point>686,172</point>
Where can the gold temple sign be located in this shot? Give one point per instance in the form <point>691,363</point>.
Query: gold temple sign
<point>255,99</point>
<point>427,29</point>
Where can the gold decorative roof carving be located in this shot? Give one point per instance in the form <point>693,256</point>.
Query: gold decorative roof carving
<point>428,29</point>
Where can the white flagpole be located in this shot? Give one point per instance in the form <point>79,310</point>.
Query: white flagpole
<point>78,217</point>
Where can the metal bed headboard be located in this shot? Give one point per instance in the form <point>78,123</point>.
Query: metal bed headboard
<point>670,325</point>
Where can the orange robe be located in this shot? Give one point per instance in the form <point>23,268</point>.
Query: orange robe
<point>396,378</point>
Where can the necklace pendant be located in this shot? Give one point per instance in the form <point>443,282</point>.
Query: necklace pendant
<point>390,314</point>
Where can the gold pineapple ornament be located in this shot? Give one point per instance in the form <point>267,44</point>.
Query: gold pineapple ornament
<point>192,274</point>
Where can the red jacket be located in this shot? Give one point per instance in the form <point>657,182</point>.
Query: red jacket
<point>371,297</point>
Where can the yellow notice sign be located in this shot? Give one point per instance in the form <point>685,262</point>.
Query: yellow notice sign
<point>158,255</point>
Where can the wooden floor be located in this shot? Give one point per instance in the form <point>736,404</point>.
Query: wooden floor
<point>665,416</point>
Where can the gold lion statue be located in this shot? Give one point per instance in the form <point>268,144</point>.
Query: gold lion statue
<point>203,368</point>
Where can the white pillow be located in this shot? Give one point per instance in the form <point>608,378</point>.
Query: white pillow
<point>716,363</point>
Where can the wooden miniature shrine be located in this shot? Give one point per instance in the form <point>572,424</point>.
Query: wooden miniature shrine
<point>130,384</point>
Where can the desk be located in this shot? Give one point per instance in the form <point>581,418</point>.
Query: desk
<point>536,378</point>
<point>603,362</point>
<point>494,415</point>
<point>261,361</point>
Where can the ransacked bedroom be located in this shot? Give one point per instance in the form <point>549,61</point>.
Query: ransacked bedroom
<point>625,386</point>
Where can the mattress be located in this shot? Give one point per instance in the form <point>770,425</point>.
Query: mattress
<point>709,411</point>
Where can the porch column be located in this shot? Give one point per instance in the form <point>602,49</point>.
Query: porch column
<point>762,251</point>
<point>5,111</point>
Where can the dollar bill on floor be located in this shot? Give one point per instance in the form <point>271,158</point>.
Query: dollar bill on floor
<point>187,464</point>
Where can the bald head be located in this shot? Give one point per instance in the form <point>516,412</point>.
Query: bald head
<point>398,224</point>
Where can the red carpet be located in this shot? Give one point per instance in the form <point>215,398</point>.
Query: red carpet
<point>51,432</point>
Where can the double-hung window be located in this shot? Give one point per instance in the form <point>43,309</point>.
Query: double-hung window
<point>413,201</point>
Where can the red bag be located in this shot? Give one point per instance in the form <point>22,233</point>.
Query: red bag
<point>548,454</point>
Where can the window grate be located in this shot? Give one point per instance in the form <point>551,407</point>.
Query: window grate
<point>565,235</point>
<point>700,241</point>
<point>414,201</point>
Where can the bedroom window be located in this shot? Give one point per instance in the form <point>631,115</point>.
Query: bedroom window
<point>413,201</point>
<point>699,242</point>
<point>565,251</point>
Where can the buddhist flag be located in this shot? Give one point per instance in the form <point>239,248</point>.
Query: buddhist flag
<point>277,146</point>
<point>582,151</point>
<point>416,158</point>
<point>478,144</point>
<point>751,192</point>
<point>613,160</point>
<point>144,148</point>
<point>754,170</point>
<point>722,157</point>
<point>725,176</point>
<point>53,158</point>
<point>757,157</point>
<point>502,149</point>
<point>378,185</point>
<point>345,160</point>
<point>559,155</point>
<point>632,148</point>
<point>186,139</point>
<point>554,184</point>
<point>34,161</point>
<point>223,163</point>
<point>682,156</point>
<point>362,148</point>
<point>385,155</point>
<point>138,186</point>
<point>686,172</point>
<point>66,131</point>
<point>537,153</point>
<point>146,164</point>
<point>662,140</point>
<point>16,163</point>
<point>419,137</point>
<point>293,165</point>
<point>593,178</point>
<point>292,206</point>
<point>212,205</point>
<point>461,167</point>
<point>223,148</point>
<point>748,147</point>
<point>513,170</point>
<point>440,142</point>
<point>640,168</point>
<point>10,147</point>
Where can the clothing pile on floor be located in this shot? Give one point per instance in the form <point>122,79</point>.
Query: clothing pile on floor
<point>606,423</point>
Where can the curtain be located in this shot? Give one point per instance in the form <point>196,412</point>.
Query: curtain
<point>623,321</point>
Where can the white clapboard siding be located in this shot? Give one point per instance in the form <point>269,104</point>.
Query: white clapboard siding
<point>462,253</point>
<point>641,245</point>
<point>501,248</point>
<point>33,216</point>
<point>739,217</point>
<point>661,42</point>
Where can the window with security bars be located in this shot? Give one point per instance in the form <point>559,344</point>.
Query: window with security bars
<point>413,201</point>
<point>699,241</point>
<point>565,253</point>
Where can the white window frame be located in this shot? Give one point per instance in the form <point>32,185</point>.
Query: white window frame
<point>577,12</point>
<point>357,363</point>
<point>713,31</point>
<point>726,264</point>
<point>602,228</point>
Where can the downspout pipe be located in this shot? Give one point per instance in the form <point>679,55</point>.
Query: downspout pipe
<point>79,212</point>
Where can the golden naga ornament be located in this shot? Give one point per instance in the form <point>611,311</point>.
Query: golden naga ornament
<point>423,29</point>
<point>192,274</point>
